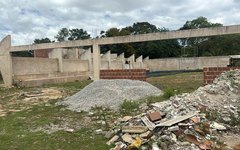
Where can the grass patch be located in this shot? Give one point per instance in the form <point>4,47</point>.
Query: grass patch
<point>168,92</point>
<point>15,131</point>
<point>181,82</point>
<point>129,107</point>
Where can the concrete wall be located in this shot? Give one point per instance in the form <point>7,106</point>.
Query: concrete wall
<point>190,63</point>
<point>75,65</point>
<point>117,65</point>
<point>104,64</point>
<point>24,66</point>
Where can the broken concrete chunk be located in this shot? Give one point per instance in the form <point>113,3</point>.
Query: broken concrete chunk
<point>126,118</point>
<point>121,145</point>
<point>127,138</point>
<point>217,126</point>
<point>177,119</point>
<point>148,123</point>
<point>98,131</point>
<point>155,146</point>
<point>145,134</point>
<point>155,116</point>
<point>196,119</point>
<point>112,140</point>
<point>173,128</point>
<point>134,129</point>
<point>69,130</point>
<point>109,134</point>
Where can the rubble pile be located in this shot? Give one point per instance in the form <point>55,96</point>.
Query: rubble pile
<point>109,93</point>
<point>181,122</point>
<point>223,96</point>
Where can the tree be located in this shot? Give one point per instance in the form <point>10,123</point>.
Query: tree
<point>62,34</point>
<point>30,53</point>
<point>43,40</point>
<point>154,49</point>
<point>72,34</point>
<point>78,34</point>
<point>209,46</point>
<point>200,22</point>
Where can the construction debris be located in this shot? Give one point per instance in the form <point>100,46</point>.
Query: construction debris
<point>185,123</point>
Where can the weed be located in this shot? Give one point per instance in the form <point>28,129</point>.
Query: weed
<point>129,107</point>
<point>168,92</point>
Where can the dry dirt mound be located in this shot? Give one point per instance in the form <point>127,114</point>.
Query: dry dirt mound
<point>109,93</point>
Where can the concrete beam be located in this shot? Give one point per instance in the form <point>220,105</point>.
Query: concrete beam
<point>65,44</point>
<point>203,32</point>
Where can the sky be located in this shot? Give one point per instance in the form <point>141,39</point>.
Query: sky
<point>26,20</point>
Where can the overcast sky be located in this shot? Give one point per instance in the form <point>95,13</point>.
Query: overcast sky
<point>27,20</point>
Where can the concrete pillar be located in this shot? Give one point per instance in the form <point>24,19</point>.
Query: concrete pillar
<point>140,61</point>
<point>96,61</point>
<point>6,61</point>
<point>107,57</point>
<point>73,53</point>
<point>146,59</point>
<point>87,55</point>
<point>121,57</point>
<point>131,59</point>
<point>58,53</point>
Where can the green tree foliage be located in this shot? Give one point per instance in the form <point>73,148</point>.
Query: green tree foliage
<point>154,49</point>
<point>62,35</point>
<point>43,40</point>
<point>31,53</point>
<point>209,46</point>
<point>72,34</point>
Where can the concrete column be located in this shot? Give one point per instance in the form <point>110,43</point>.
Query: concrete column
<point>146,59</point>
<point>87,55</point>
<point>131,59</point>
<point>58,53</point>
<point>140,61</point>
<point>6,61</point>
<point>96,61</point>
<point>107,56</point>
<point>121,57</point>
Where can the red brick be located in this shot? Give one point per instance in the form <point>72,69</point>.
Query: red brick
<point>155,116</point>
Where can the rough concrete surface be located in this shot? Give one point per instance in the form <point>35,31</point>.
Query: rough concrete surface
<point>109,93</point>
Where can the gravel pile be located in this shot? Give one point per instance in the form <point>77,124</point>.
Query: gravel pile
<point>109,93</point>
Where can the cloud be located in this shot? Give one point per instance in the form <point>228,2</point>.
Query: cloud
<point>27,20</point>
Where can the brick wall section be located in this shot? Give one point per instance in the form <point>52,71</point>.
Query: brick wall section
<point>212,72</point>
<point>42,53</point>
<point>133,74</point>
